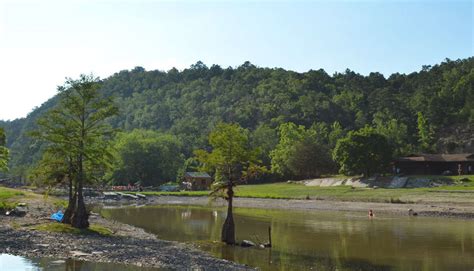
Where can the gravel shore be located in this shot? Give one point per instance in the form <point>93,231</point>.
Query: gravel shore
<point>128,245</point>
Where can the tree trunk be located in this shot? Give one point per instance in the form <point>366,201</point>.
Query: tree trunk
<point>80,218</point>
<point>71,205</point>
<point>69,211</point>
<point>228,229</point>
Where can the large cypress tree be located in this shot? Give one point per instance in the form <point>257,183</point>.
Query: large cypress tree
<point>231,160</point>
<point>76,129</point>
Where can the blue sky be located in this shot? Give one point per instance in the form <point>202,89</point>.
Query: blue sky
<point>42,42</point>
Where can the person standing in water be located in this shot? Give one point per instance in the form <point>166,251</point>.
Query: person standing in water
<point>371,213</point>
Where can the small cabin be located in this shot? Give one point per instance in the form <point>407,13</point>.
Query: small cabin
<point>198,180</point>
<point>435,164</point>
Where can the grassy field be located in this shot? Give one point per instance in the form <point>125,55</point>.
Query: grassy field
<point>9,197</point>
<point>458,192</point>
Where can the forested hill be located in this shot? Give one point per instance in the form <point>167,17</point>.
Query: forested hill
<point>189,103</point>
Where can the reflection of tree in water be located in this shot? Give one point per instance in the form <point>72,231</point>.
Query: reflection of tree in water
<point>48,264</point>
<point>62,265</point>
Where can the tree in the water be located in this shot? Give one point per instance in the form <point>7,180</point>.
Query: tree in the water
<point>76,131</point>
<point>232,161</point>
<point>3,151</point>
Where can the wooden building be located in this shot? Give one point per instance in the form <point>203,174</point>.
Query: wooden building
<point>198,180</point>
<point>435,164</point>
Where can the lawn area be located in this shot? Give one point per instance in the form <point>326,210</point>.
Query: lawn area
<point>9,193</point>
<point>460,192</point>
<point>9,197</point>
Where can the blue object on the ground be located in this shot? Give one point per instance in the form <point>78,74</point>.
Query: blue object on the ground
<point>58,216</point>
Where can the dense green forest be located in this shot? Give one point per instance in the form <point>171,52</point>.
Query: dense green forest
<point>427,111</point>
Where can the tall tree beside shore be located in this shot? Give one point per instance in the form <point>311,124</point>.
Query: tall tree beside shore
<point>75,129</point>
<point>3,151</point>
<point>232,161</point>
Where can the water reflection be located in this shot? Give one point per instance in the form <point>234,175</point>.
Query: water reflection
<point>17,263</point>
<point>316,240</point>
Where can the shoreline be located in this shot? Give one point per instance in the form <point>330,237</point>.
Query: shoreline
<point>127,245</point>
<point>445,210</point>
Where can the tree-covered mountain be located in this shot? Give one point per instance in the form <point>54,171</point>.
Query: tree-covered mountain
<point>189,103</point>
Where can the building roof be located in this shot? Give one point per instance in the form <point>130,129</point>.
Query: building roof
<point>197,175</point>
<point>460,157</point>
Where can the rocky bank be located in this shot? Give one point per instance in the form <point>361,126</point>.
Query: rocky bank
<point>127,244</point>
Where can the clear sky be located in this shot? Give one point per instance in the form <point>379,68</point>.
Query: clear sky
<point>42,42</point>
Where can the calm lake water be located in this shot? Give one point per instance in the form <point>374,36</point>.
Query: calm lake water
<point>315,240</point>
<point>17,263</point>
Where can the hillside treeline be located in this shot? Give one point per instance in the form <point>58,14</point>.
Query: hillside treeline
<point>431,110</point>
